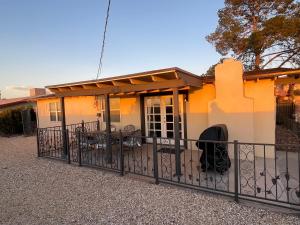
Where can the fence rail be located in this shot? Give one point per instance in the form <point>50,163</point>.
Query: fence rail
<point>254,171</point>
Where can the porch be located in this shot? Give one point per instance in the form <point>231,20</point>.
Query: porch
<point>163,144</point>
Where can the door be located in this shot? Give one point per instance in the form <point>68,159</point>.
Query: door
<point>159,118</point>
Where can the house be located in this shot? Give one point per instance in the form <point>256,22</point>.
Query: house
<point>171,108</point>
<point>173,103</point>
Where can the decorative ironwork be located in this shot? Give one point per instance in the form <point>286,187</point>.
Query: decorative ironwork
<point>258,171</point>
<point>273,178</point>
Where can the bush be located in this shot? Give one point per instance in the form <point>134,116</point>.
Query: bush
<point>11,122</point>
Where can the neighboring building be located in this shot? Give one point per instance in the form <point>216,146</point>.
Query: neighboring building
<point>21,112</point>
<point>28,101</point>
<point>245,102</point>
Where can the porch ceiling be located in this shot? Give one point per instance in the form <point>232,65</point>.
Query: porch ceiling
<point>145,82</point>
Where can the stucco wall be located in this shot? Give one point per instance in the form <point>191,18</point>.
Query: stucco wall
<point>247,108</point>
<point>84,108</point>
<point>130,112</point>
<point>231,107</point>
<point>262,92</point>
<point>197,110</point>
<point>80,108</point>
<point>44,114</point>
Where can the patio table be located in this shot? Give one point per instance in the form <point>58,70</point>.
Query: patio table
<point>114,134</point>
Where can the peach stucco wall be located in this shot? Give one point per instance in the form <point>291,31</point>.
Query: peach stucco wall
<point>231,107</point>
<point>197,110</point>
<point>43,113</point>
<point>247,108</point>
<point>84,108</point>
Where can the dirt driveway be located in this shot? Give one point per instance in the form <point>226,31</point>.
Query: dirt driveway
<point>42,191</point>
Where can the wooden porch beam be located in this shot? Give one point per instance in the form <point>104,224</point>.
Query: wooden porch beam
<point>104,85</point>
<point>89,86</point>
<point>120,82</point>
<point>64,89</point>
<point>142,92</point>
<point>128,88</point>
<point>138,81</point>
<point>154,91</point>
<point>184,88</point>
<point>108,129</point>
<point>156,78</point>
<point>177,132</point>
<point>63,125</point>
<point>79,87</point>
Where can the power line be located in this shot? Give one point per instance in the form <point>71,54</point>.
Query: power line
<point>103,40</point>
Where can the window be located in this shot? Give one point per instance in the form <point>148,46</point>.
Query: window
<point>115,115</point>
<point>55,111</point>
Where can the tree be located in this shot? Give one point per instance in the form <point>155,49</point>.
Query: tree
<point>261,33</point>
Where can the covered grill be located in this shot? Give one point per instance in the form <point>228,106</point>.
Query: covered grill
<point>215,155</point>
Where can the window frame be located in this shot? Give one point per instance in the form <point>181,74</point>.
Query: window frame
<point>112,109</point>
<point>56,111</point>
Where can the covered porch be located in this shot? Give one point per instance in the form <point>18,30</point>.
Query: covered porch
<point>160,95</point>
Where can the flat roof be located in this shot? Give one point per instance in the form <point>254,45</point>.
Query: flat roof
<point>127,76</point>
<point>15,101</point>
<point>135,83</point>
<point>156,80</point>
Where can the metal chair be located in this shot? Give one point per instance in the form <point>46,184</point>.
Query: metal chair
<point>134,140</point>
<point>129,128</point>
<point>85,141</point>
<point>100,139</point>
<point>113,128</point>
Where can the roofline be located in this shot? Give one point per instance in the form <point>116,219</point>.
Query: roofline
<point>260,74</point>
<point>128,76</point>
<point>249,75</point>
<point>47,96</point>
<point>16,103</point>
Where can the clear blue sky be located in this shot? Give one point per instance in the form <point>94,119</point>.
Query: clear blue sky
<point>46,42</point>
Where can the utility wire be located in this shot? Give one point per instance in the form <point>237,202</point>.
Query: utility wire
<point>103,40</point>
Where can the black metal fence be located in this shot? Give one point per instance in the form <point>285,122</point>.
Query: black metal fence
<point>250,171</point>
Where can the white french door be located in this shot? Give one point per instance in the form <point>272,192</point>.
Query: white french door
<point>159,117</point>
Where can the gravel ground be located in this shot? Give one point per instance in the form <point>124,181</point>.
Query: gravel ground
<point>41,191</point>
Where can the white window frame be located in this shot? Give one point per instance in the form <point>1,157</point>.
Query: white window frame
<point>102,109</point>
<point>56,111</point>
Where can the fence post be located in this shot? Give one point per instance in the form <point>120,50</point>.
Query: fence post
<point>155,161</point>
<point>68,147</point>
<point>98,124</point>
<point>82,126</point>
<point>79,148</point>
<point>121,154</point>
<point>38,142</point>
<point>236,172</point>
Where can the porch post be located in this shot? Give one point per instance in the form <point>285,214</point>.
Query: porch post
<point>176,132</point>
<point>108,129</point>
<point>63,125</point>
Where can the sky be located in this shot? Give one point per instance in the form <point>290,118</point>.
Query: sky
<point>44,42</point>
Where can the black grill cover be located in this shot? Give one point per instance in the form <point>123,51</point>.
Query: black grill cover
<point>215,155</point>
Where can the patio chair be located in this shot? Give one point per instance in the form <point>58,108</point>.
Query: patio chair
<point>85,141</point>
<point>134,140</point>
<point>100,141</point>
<point>113,128</point>
<point>129,128</point>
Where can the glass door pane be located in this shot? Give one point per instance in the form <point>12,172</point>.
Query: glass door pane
<point>153,116</point>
